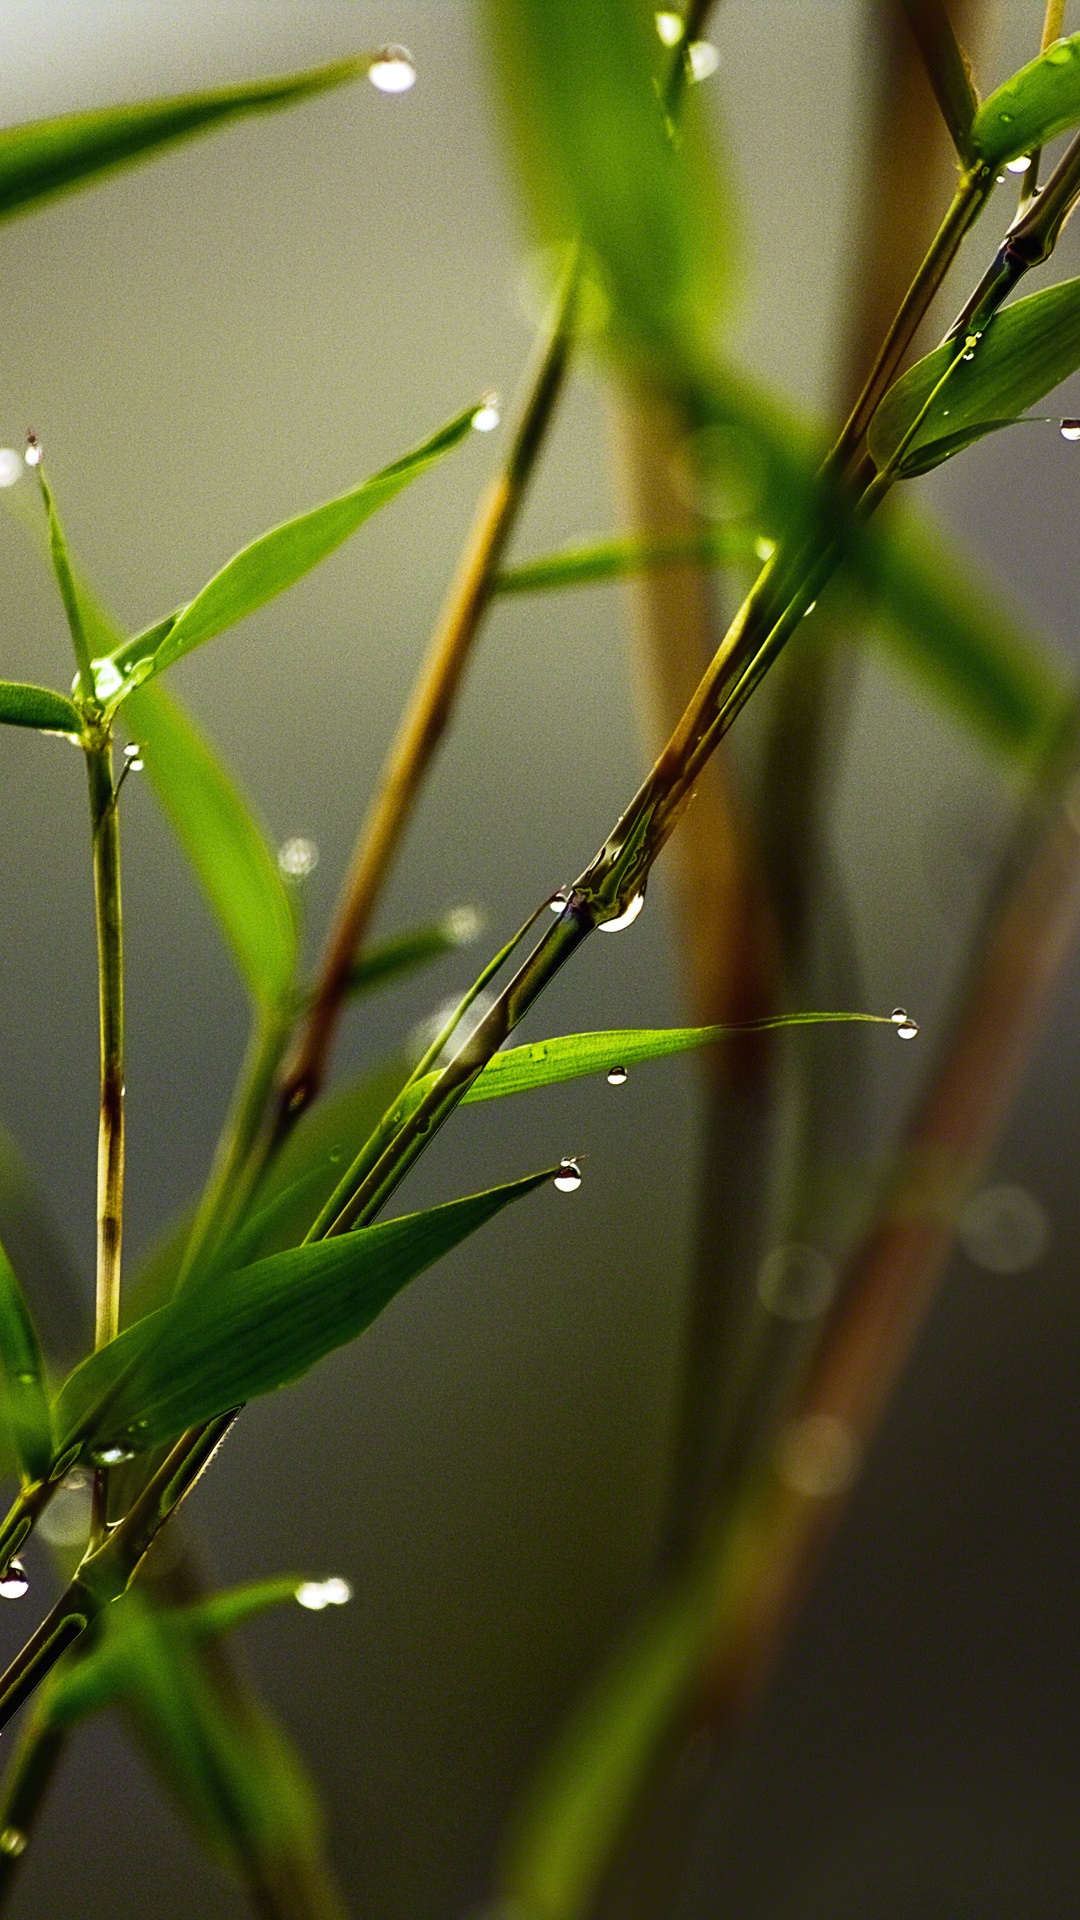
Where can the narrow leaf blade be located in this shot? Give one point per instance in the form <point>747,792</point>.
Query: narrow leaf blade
<point>1024,353</point>
<point>276,560</point>
<point>25,1398</point>
<point>223,841</point>
<point>26,706</point>
<point>214,1347</point>
<point>47,157</point>
<point>1030,108</point>
<point>615,559</point>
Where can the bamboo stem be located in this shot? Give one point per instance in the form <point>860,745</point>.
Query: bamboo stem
<point>105,830</point>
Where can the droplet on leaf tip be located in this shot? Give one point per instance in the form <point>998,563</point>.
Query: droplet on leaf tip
<point>315,1595</point>
<point>34,450</point>
<point>669,26</point>
<point>1070,429</point>
<point>704,60</point>
<point>392,70</point>
<point>568,1178</point>
<point>1020,164</point>
<point>906,1027</point>
<point>487,415</point>
<point>617,1077</point>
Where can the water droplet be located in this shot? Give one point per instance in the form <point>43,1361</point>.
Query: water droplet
<point>297,857</point>
<point>34,450</point>
<point>66,1520</point>
<point>764,547</point>
<point>1020,164</point>
<point>796,1282</point>
<point>568,1178</point>
<point>1004,1229</point>
<point>12,1842</point>
<point>13,1581</point>
<point>317,1594</point>
<point>810,608</point>
<point>463,925</point>
<point>108,678</point>
<point>626,919</point>
<point>112,1456</point>
<point>704,60</point>
<point>559,900</point>
<point>1000,178</point>
<point>1070,429</point>
<point>392,70</point>
<point>906,1027</point>
<point>969,355</point>
<point>817,1456</point>
<point>11,467</point>
<point>487,416</point>
<point>669,26</point>
<point>616,1077</point>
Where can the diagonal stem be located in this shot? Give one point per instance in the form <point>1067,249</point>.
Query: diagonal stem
<point>105,830</point>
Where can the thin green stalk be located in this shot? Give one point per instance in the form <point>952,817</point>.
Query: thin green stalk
<point>26,1782</point>
<point>1053,22</point>
<point>1030,240</point>
<point>105,832</point>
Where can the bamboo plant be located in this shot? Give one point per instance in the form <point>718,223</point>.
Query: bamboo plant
<point>285,1255</point>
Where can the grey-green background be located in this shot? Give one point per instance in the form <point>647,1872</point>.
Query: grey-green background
<point>204,346</point>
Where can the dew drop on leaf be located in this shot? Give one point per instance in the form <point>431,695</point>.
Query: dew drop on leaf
<point>1020,164</point>
<point>392,70</point>
<point>1070,429</point>
<point>568,1178</point>
<point>704,60</point>
<point>669,26</point>
<point>317,1594</point>
<point>11,467</point>
<point>617,1077</point>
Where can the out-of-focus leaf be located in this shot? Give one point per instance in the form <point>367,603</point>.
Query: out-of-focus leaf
<point>231,1608</point>
<point>47,157</point>
<point>323,1143</point>
<point>222,839</point>
<point>23,706</point>
<point>1024,353</point>
<point>1031,107</point>
<point>546,1063</point>
<point>613,559</point>
<point>25,1400</point>
<point>276,560</point>
<point>601,164</point>
<point>69,586</point>
<point>956,636</point>
<point>214,1347</point>
<point>40,1256</point>
<point>406,952</point>
<point>230,1767</point>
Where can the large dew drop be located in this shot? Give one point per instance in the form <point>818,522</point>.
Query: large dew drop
<point>616,1077</point>
<point>568,1178</point>
<point>297,857</point>
<point>14,1582</point>
<point>906,1027</point>
<point>1019,165</point>
<point>487,417</point>
<point>11,467</point>
<point>1070,429</point>
<point>704,60</point>
<point>626,919</point>
<point>392,70</point>
<point>670,27</point>
<point>108,678</point>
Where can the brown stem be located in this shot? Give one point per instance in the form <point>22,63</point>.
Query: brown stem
<point>946,68</point>
<point>428,713</point>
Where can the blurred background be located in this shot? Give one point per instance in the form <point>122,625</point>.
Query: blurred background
<point>206,345</point>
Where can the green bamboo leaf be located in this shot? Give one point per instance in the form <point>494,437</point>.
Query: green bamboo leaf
<point>231,1608</point>
<point>69,585</point>
<point>600,164</point>
<point>1024,353</point>
<point>25,1399</point>
<point>47,157</point>
<point>614,559</point>
<point>405,953</point>
<point>275,561</point>
<point>235,865</point>
<point>24,706</point>
<point>214,1347</point>
<point>229,1767</point>
<point>546,1063</point>
<point>1035,104</point>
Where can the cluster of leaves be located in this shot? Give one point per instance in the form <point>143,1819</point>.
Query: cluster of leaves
<point>266,1300</point>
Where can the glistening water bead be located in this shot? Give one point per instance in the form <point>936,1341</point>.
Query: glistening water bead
<point>626,919</point>
<point>906,1027</point>
<point>617,1077</point>
<point>297,857</point>
<point>315,1595</point>
<point>1070,429</point>
<point>568,1178</point>
<point>11,467</point>
<point>392,70</point>
<point>1020,164</point>
<point>14,1582</point>
<point>487,415</point>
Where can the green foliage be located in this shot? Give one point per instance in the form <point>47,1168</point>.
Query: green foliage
<point>226,846</point>
<point>47,157</point>
<point>1023,354</point>
<point>1039,102</point>
<point>405,953</point>
<point>25,1400</point>
<point>325,1141</point>
<point>23,706</point>
<point>599,560</point>
<point>217,1345</point>
<point>276,560</point>
<point>601,166</point>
